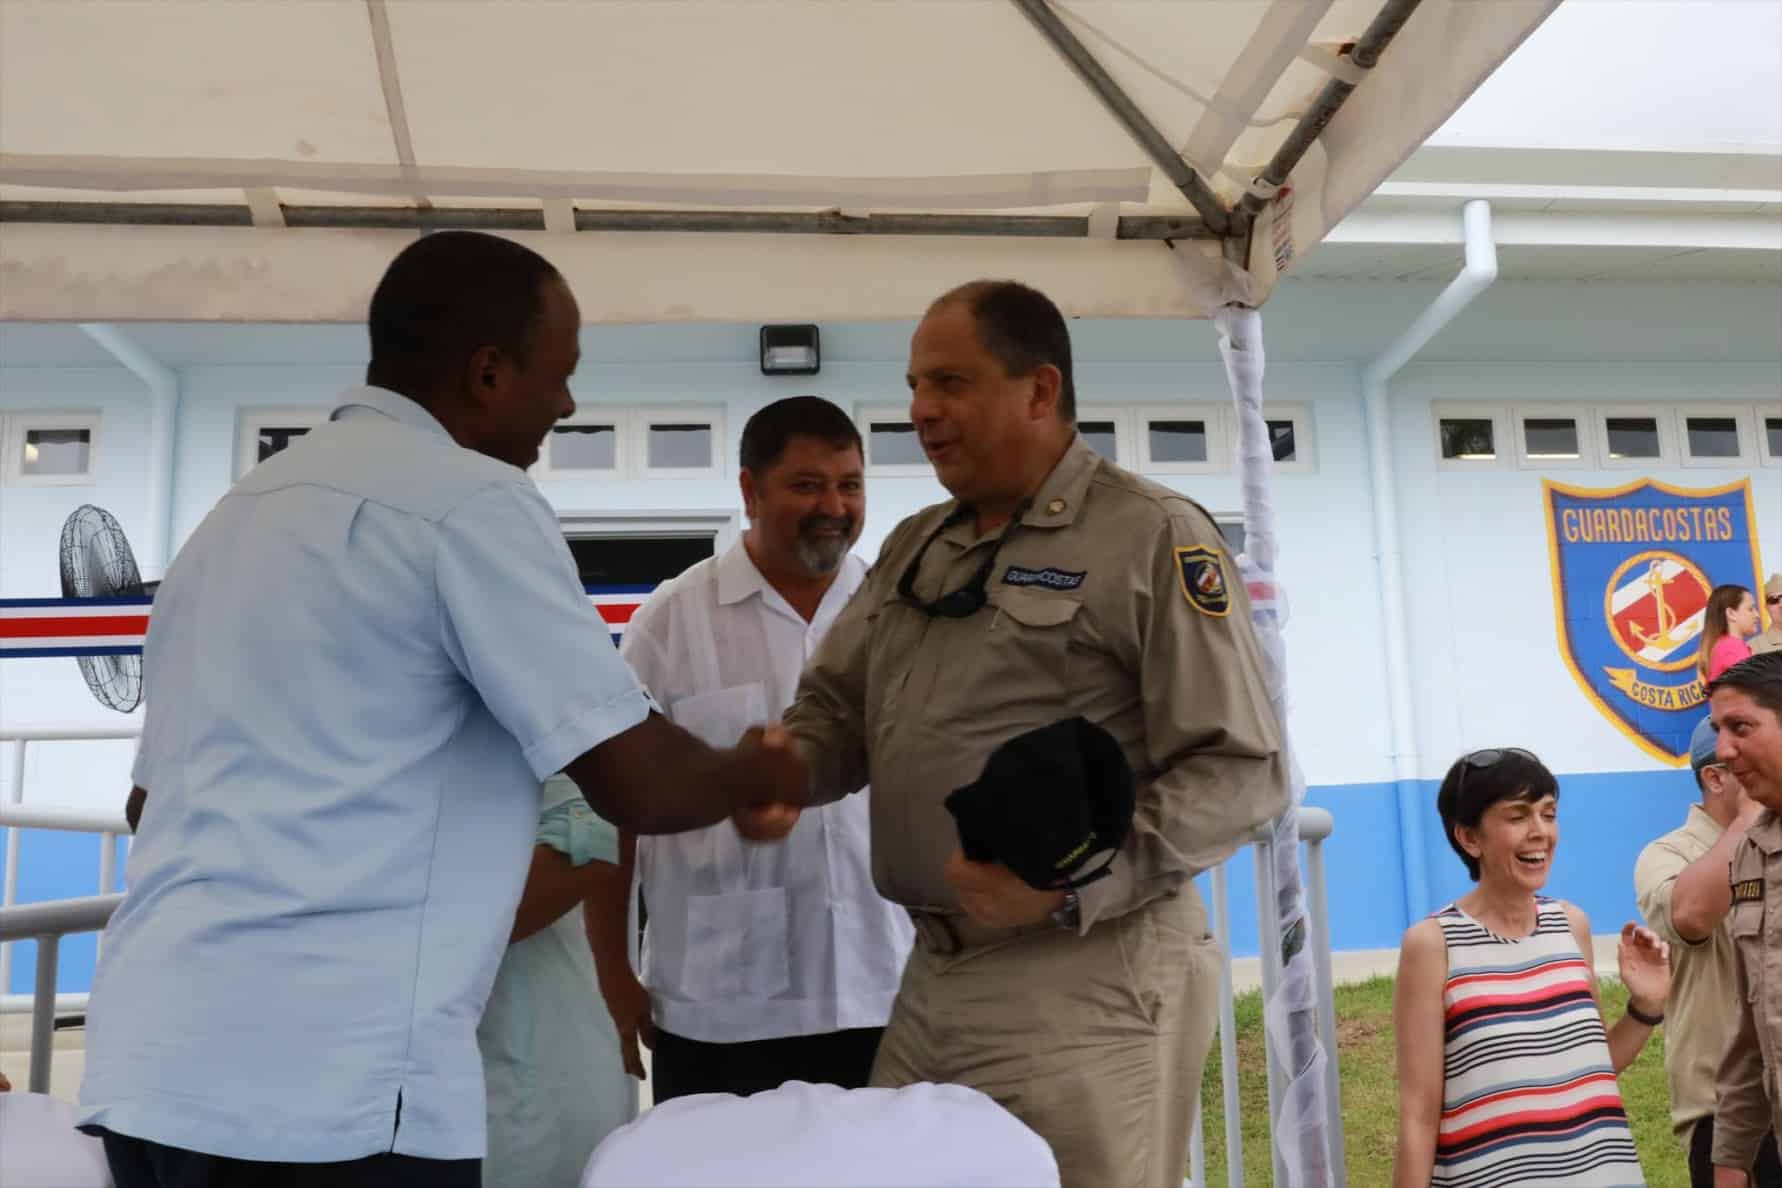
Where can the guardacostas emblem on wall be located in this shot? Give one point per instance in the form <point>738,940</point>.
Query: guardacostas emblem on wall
<point>1632,570</point>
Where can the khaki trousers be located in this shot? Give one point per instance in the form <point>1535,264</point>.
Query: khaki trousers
<point>1096,1042</point>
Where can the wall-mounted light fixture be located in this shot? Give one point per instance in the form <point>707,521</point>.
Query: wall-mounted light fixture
<point>789,350</point>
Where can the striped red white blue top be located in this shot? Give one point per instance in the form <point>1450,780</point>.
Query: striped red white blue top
<point>1529,1097</point>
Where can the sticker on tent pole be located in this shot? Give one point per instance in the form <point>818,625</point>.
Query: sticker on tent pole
<point>1281,233</point>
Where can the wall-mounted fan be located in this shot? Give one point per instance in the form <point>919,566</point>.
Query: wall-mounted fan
<point>97,563</point>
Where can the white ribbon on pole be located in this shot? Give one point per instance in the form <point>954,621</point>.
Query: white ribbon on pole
<point>1301,1126</point>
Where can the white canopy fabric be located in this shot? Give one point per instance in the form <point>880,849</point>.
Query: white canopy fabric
<point>283,116</point>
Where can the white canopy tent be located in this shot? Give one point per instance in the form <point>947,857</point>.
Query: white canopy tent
<point>707,160</point>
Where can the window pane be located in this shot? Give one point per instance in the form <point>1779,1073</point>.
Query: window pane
<point>1772,430</point>
<point>1178,441</point>
<point>894,443</point>
<point>1101,438</point>
<point>274,439</point>
<point>585,447</point>
<point>680,447</point>
<point>1468,438</point>
<point>57,451</point>
<point>1550,437</point>
<point>1633,437</point>
<point>1280,440</point>
<point>1234,535</point>
<point>1713,437</point>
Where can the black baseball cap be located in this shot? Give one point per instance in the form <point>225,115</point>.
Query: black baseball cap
<point>1053,805</point>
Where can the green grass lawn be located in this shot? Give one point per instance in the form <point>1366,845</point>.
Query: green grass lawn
<point>1370,1094</point>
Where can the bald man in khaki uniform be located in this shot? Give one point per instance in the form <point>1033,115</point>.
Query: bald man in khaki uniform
<point>1053,584</point>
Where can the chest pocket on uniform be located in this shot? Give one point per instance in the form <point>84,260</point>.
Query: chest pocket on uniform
<point>1025,652</point>
<point>1746,926</point>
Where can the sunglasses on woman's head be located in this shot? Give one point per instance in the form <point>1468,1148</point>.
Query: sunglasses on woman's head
<point>1490,757</point>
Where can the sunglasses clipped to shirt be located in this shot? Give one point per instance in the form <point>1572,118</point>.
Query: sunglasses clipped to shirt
<point>970,598</point>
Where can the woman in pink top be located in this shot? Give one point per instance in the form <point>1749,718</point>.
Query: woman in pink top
<point>1730,619</point>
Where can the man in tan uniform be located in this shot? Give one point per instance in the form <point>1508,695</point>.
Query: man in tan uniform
<point>1682,883</point>
<point>1747,709</point>
<point>1053,584</point>
<point>1771,640</point>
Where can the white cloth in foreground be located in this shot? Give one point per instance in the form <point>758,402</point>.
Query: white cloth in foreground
<point>823,1136</point>
<point>40,1148</point>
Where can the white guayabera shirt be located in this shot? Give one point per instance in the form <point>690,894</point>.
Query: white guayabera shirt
<point>749,942</point>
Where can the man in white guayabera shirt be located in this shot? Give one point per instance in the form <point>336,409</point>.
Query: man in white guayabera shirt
<point>765,964</point>
<point>362,664</point>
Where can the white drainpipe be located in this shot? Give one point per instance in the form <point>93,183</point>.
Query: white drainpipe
<point>1474,278</point>
<point>163,386</point>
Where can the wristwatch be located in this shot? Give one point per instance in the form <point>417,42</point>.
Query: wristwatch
<point>1071,914</point>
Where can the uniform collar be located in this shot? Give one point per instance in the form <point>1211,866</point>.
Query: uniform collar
<point>1054,505</point>
<point>1702,827</point>
<point>386,403</point>
<point>738,578</point>
<point>1060,497</point>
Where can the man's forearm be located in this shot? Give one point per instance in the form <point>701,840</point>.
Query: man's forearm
<point>1702,894</point>
<point>658,778</point>
<point>607,915</point>
<point>133,806</point>
<point>1189,819</point>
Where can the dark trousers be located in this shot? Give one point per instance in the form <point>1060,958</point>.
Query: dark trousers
<point>138,1163</point>
<point>681,1066</point>
<point>1767,1173</point>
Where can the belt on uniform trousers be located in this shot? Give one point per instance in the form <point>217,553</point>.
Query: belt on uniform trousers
<point>948,933</point>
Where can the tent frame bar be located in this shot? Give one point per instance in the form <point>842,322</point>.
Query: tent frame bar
<point>1136,123</point>
<point>1365,53</point>
<point>1135,227</point>
<point>1231,226</point>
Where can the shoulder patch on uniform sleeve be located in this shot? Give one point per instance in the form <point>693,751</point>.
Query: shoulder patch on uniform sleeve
<point>1201,572</point>
<point>1747,891</point>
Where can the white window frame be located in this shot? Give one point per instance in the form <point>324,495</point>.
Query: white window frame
<point>723,524</point>
<point>887,414</point>
<point>1502,431</point>
<point>1581,416</point>
<point>643,419</point>
<point>1663,415</point>
<point>251,420</point>
<point>14,428</point>
<point>1742,415</point>
<point>1124,445</point>
<point>1219,437</point>
<point>1305,437</point>
<point>1759,414</point>
<point>619,418</point>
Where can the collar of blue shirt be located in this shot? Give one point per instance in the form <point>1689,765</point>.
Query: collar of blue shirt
<point>386,403</point>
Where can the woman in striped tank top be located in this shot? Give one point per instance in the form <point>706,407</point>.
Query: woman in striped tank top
<point>1506,1064</point>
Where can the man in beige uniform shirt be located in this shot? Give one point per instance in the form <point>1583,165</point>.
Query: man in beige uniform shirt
<point>1053,584</point>
<point>1746,703</point>
<point>1770,640</point>
<point>1682,883</point>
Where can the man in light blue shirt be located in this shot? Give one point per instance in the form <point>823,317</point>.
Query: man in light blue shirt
<point>363,663</point>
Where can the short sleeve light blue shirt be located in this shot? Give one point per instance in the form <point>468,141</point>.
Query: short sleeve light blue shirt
<point>361,666</point>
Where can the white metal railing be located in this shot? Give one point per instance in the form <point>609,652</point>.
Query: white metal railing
<point>16,816</point>
<point>46,923</point>
<point>1315,825</point>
